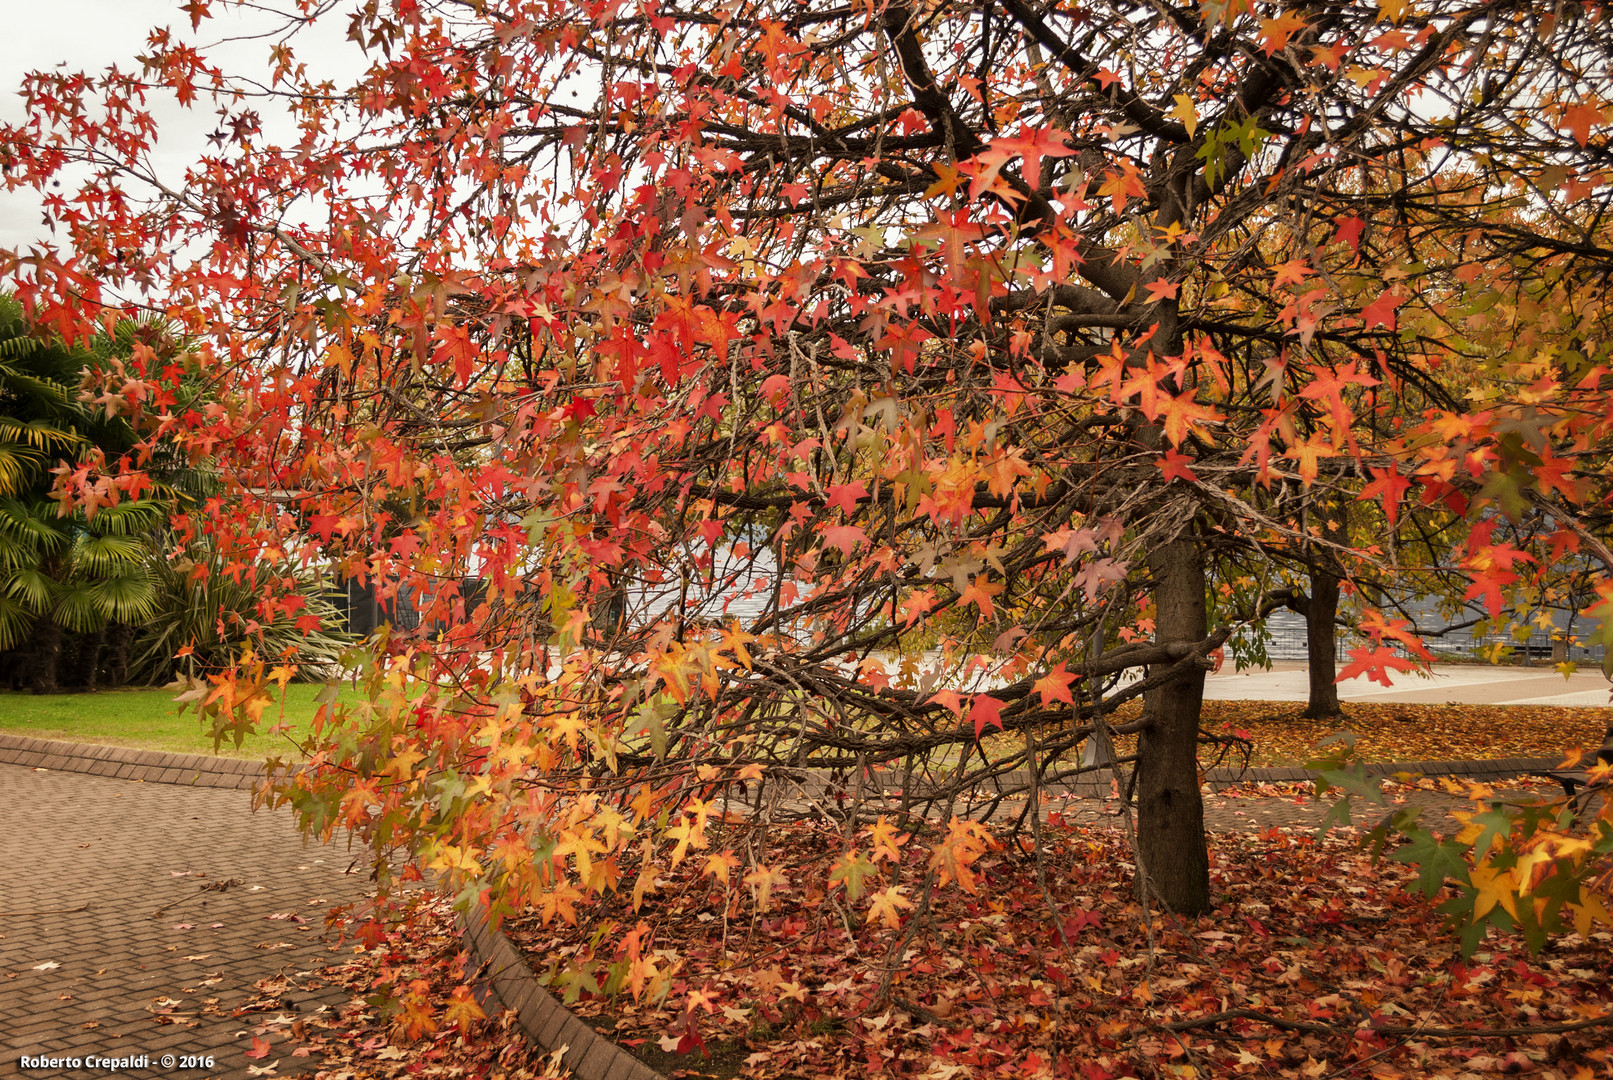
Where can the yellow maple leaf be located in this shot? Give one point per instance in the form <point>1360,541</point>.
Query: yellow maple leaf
<point>886,904</point>
<point>1186,113</point>
<point>402,763</point>
<point>1494,887</point>
<point>763,880</point>
<point>719,864</point>
<point>463,1009</point>
<point>1589,909</point>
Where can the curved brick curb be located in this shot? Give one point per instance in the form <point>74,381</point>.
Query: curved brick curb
<point>128,763</point>
<point>546,1022</point>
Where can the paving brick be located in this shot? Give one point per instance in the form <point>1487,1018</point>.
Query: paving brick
<point>597,1059</point>
<point>548,1034</point>
<point>114,956</point>
<point>544,1008</point>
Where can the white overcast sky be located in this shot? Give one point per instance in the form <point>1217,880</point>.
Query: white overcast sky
<point>89,35</point>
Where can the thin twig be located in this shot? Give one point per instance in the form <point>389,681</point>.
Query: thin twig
<point>50,911</point>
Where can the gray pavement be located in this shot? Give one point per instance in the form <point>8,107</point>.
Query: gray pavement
<point>85,968</point>
<point>1461,684</point>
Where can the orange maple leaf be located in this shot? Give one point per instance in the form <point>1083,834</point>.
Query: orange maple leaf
<point>1274,33</point>
<point>979,593</point>
<point>1055,686</point>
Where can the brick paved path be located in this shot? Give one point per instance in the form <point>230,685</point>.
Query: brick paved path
<point>111,980</point>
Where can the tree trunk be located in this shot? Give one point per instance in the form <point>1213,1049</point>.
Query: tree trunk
<point>89,659</point>
<point>1320,639</point>
<point>1170,811</point>
<point>1321,620</point>
<point>118,639</point>
<point>47,655</point>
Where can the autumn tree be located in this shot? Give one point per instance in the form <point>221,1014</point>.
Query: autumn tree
<point>862,318</point>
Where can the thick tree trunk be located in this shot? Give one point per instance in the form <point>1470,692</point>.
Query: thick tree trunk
<point>1170,811</point>
<point>1321,621</point>
<point>47,655</point>
<point>1320,638</point>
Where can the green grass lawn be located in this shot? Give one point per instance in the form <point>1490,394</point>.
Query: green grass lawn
<point>150,719</point>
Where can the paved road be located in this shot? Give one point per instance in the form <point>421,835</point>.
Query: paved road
<point>1464,684</point>
<point>110,979</point>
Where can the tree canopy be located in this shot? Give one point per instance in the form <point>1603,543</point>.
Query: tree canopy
<point>979,363</point>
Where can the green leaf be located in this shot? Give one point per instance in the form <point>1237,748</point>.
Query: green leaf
<point>852,869</point>
<point>1493,825</point>
<point>1436,861</point>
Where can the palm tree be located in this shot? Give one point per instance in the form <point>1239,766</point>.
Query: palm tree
<point>72,575</point>
<point>63,575</point>
<point>39,412</point>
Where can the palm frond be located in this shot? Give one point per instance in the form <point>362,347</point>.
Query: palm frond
<point>130,518</point>
<point>16,623</point>
<point>34,589</point>
<point>104,556</point>
<point>20,466</point>
<point>35,523</point>
<point>128,598</point>
<point>77,609</point>
<point>16,552</point>
<point>39,434</point>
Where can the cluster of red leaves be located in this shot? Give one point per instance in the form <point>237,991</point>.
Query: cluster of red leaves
<point>1314,961</point>
<point>1401,732</point>
<point>412,1012</point>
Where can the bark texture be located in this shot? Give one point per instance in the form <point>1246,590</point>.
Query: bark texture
<point>1321,620</point>
<point>1170,809</point>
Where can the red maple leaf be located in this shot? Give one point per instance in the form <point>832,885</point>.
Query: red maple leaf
<point>844,497</point>
<point>1381,312</point>
<point>1388,485</point>
<point>1374,662</point>
<point>1579,119</point>
<point>1175,466</point>
<point>1350,231</point>
<point>983,710</point>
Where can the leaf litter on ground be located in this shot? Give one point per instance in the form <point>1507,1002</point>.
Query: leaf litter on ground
<point>1314,962</point>
<point>1387,732</point>
<point>411,1010</point>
